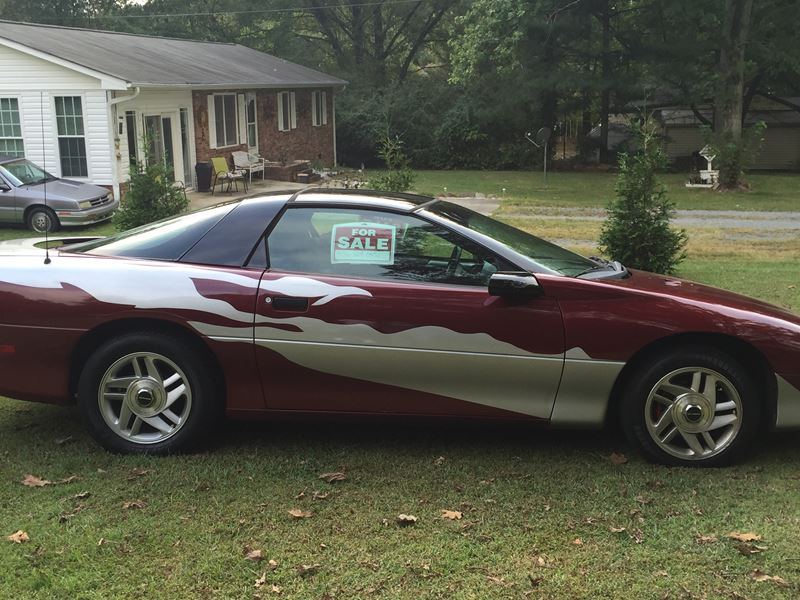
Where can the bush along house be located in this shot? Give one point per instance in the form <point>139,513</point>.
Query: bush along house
<point>89,105</point>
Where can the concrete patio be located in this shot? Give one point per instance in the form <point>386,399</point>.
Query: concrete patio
<point>204,199</point>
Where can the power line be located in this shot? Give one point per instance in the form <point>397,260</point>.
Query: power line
<point>251,12</point>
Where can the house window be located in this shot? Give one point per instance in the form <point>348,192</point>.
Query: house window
<point>133,140</point>
<point>71,140</point>
<point>10,128</point>
<point>287,111</point>
<point>319,109</point>
<point>225,120</point>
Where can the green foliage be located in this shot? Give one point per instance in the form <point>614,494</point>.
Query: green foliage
<point>398,176</point>
<point>151,197</point>
<point>734,157</point>
<point>637,232</point>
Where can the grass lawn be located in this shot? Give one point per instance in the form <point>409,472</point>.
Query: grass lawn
<point>770,192</point>
<point>102,229</point>
<point>544,514</point>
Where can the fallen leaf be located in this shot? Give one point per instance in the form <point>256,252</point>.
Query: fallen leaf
<point>577,542</point>
<point>744,537</point>
<point>101,541</point>
<point>706,539</point>
<point>493,579</point>
<point>746,549</point>
<point>320,495</point>
<point>616,529</point>
<point>406,520</point>
<point>33,481</point>
<point>297,513</point>
<point>136,473</point>
<point>254,555</point>
<point>637,536</point>
<point>66,440</point>
<point>306,570</point>
<point>643,499</point>
<point>439,461</point>
<point>453,515</point>
<point>81,496</point>
<point>130,504</point>
<point>300,496</point>
<point>331,477</point>
<point>760,576</point>
<point>261,580</point>
<point>19,537</point>
<point>64,517</point>
<point>276,589</point>
<point>618,459</point>
<point>273,564</point>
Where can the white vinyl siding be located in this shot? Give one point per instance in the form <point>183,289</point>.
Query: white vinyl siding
<point>11,142</point>
<point>319,109</point>
<point>287,111</point>
<point>20,71</point>
<point>223,120</point>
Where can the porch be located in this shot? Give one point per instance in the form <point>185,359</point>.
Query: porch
<point>204,199</point>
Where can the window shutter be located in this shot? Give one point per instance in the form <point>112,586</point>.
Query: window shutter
<point>293,111</point>
<point>280,111</point>
<point>212,123</point>
<point>314,109</point>
<point>323,97</point>
<point>242,113</point>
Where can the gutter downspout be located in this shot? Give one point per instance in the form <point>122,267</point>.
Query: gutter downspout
<point>114,136</point>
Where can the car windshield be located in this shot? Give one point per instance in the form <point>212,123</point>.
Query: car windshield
<point>168,239</point>
<point>24,172</point>
<point>546,254</point>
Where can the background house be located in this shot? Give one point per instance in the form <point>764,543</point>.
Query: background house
<point>84,103</point>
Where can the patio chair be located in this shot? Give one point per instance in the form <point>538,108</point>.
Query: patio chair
<point>223,175</point>
<point>251,163</point>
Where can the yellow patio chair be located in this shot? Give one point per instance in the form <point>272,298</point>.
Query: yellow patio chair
<point>223,175</point>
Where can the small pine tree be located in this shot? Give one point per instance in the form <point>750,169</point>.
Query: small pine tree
<point>150,197</point>
<point>637,232</point>
<point>398,176</point>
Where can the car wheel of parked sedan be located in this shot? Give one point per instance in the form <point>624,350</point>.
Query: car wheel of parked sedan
<point>43,219</point>
<point>147,393</point>
<point>692,407</point>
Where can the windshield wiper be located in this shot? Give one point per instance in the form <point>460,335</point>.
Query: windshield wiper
<point>604,265</point>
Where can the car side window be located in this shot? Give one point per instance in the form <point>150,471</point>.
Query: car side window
<point>377,245</point>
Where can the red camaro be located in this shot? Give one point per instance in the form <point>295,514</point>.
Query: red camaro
<point>384,304</point>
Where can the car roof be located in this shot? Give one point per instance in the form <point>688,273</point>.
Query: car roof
<point>399,201</point>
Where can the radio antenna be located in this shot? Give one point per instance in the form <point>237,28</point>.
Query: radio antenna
<point>44,168</point>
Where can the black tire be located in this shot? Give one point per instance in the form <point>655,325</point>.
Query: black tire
<point>203,397</point>
<point>41,219</point>
<point>731,447</point>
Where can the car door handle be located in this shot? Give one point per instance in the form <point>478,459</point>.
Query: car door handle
<point>290,304</point>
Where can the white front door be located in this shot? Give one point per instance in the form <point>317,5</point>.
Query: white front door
<point>251,120</point>
<point>163,142</point>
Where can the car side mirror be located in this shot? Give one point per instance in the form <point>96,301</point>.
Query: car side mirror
<point>4,187</point>
<point>516,284</point>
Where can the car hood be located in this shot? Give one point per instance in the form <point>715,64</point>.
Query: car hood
<point>63,189</point>
<point>697,292</point>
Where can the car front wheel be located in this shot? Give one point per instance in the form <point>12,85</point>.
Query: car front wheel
<point>692,407</point>
<point>43,219</point>
<point>147,393</point>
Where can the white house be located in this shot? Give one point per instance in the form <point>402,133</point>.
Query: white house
<point>79,102</point>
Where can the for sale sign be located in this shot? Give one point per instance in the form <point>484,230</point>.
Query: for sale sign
<point>363,243</point>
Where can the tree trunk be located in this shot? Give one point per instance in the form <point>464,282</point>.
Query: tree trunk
<point>728,100</point>
<point>605,94</point>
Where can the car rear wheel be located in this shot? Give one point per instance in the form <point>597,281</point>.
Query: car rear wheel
<point>147,393</point>
<point>43,219</point>
<point>692,407</point>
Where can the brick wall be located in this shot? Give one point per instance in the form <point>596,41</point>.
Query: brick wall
<point>304,143</point>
